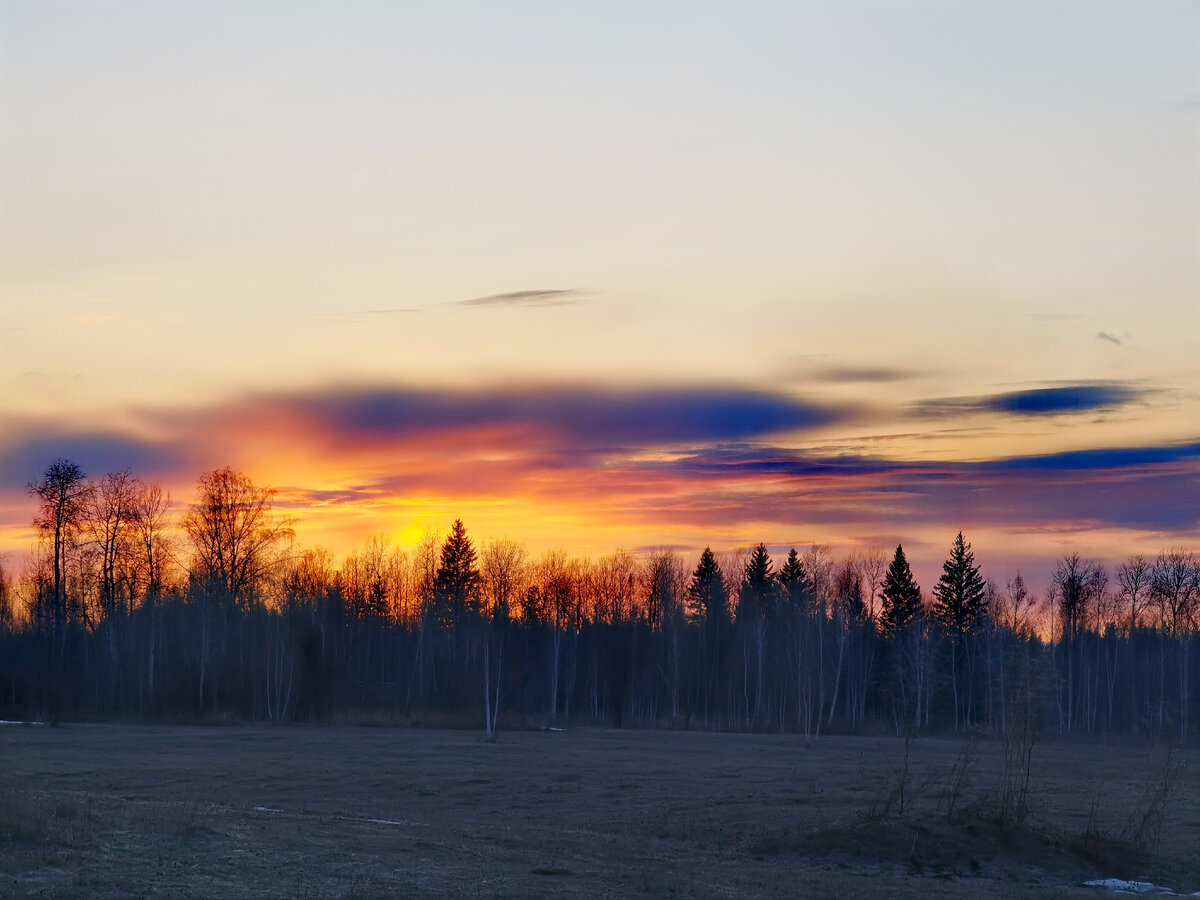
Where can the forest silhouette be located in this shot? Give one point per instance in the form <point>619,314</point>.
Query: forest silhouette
<point>131,608</point>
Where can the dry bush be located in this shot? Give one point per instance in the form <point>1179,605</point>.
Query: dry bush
<point>1145,825</point>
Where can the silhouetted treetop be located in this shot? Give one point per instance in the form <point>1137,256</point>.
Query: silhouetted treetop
<point>456,584</point>
<point>901,595</point>
<point>959,602</point>
<point>758,584</point>
<point>794,581</point>
<point>706,591</point>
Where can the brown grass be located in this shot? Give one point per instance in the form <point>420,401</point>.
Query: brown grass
<point>112,810</point>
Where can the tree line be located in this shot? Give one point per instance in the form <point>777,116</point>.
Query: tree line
<point>128,607</point>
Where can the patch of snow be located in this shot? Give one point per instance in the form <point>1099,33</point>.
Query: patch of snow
<point>1121,886</point>
<point>552,728</point>
<point>15,722</point>
<point>386,822</point>
<point>266,809</point>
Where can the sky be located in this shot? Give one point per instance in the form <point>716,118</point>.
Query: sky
<point>600,275</point>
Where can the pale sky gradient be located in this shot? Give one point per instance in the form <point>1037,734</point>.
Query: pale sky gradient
<point>867,207</point>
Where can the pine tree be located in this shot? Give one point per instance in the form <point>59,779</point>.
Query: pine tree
<point>959,594</point>
<point>794,581</point>
<point>709,600</point>
<point>456,584</point>
<point>757,594</point>
<point>901,595</point>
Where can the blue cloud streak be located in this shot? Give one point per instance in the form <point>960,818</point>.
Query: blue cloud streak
<point>580,416</point>
<point>1052,401</point>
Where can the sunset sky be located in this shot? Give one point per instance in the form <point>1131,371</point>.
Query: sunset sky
<point>600,275</point>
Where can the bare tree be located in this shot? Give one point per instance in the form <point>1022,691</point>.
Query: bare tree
<point>1018,607</point>
<point>373,578</point>
<point>7,612</point>
<point>62,495</point>
<point>425,561</point>
<point>1134,579</point>
<point>151,509</point>
<point>1077,585</point>
<point>818,566</point>
<point>872,565</point>
<point>424,574</point>
<point>236,542</point>
<point>112,528</point>
<point>847,608</point>
<point>1175,584</point>
<point>154,545</point>
<point>503,572</point>
<point>665,583</point>
<point>552,585</point>
<point>616,587</point>
<point>236,537</point>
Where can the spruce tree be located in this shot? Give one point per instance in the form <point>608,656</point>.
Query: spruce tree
<point>456,584</point>
<point>709,600</point>
<point>959,594</point>
<point>758,585</point>
<point>901,595</point>
<point>794,581</point>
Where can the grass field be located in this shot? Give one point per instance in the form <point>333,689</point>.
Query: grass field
<point>296,811</point>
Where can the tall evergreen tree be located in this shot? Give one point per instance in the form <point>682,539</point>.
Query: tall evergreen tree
<point>959,594</point>
<point>901,595</point>
<point>706,591</point>
<point>793,581</point>
<point>709,600</point>
<point>456,584</point>
<point>757,593</point>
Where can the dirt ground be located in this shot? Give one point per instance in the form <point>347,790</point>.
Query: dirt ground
<point>132,810</point>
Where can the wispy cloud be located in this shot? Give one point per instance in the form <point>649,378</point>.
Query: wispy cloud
<point>861,374</point>
<point>1065,400</point>
<point>299,498</point>
<point>542,297</point>
<point>1148,488</point>
<point>1111,338</point>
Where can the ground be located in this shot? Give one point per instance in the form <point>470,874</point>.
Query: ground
<point>138,810</point>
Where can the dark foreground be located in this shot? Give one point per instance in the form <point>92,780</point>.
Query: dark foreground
<point>314,812</point>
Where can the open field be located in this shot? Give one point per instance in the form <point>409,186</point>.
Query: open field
<point>208,811</point>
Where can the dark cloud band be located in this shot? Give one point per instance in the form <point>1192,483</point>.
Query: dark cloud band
<point>1051,401</point>
<point>713,456</point>
<point>583,417</point>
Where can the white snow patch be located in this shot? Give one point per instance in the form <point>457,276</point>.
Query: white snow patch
<point>552,728</point>
<point>16,722</point>
<point>386,822</point>
<point>266,809</point>
<point>1121,886</point>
